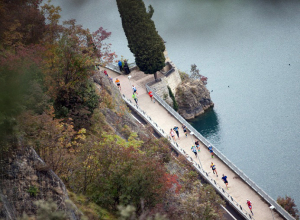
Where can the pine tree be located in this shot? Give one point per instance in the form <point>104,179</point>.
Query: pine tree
<point>143,39</point>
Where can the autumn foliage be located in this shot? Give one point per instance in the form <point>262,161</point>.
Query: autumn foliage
<point>289,205</point>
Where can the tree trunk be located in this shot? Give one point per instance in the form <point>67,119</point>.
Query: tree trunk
<point>155,76</point>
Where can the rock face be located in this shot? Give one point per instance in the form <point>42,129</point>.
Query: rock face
<point>193,98</point>
<point>116,114</point>
<point>24,179</point>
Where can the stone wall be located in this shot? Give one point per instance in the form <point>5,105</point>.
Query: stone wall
<point>171,78</point>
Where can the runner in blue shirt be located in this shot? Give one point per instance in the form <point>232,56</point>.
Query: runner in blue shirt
<point>224,178</point>
<point>193,148</point>
<point>211,151</point>
<point>176,129</point>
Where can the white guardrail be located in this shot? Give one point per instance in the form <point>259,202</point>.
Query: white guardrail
<point>203,173</point>
<point>243,176</point>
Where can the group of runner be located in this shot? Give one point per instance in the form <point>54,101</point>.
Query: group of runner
<point>135,94</point>
<point>176,129</point>
<point>175,132</point>
<point>196,149</point>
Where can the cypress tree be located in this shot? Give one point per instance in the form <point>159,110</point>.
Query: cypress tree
<point>143,39</point>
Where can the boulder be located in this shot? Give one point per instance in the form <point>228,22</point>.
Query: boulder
<point>193,98</point>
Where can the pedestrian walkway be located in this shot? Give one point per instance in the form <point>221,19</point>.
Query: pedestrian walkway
<point>237,188</point>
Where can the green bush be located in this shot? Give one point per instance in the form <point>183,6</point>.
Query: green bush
<point>33,191</point>
<point>77,104</point>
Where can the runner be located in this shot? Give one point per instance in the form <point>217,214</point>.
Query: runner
<point>172,134</point>
<point>249,203</point>
<point>197,145</point>
<point>118,83</point>
<point>151,96</point>
<point>176,129</point>
<point>184,130</point>
<point>211,151</point>
<point>105,73</point>
<point>193,148</point>
<point>134,89</point>
<point>134,96</point>
<point>213,167</point>
<point>224,178</point>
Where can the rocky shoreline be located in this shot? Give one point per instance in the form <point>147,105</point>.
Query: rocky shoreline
<point>193,98</point>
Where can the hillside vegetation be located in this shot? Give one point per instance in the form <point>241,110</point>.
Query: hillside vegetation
<point>113,167</point>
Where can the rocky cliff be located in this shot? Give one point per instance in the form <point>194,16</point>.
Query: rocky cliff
<point>26,179</point>
<point>114,109</point>
<point>193,98</point>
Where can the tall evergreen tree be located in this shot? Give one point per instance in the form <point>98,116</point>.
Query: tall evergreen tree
<point>143,39</point>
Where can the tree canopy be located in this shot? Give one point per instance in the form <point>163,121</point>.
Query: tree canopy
<point>143,39</point>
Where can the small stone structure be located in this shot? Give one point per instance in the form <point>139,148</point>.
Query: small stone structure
<point>170,78</point>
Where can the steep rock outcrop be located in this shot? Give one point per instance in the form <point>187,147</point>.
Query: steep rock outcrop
<point>193,98</point>
<point>24,179</point>
<point>115,111</point>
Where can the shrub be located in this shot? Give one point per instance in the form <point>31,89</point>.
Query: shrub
<point>183,76</point>
<point>33,191</point>
<point>77,104</point>
<point>126,131</point>
<point>165,96</point>
<point>289,205</point>
<point>195,74</point>
<point>90,210</point>
<point>175,105</point>
<point>203,204</point>
<point>191,176</point>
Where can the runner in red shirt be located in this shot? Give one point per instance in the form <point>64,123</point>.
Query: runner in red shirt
<point>249,203</point>
<point>151,96</point>
<point>105,72</point>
